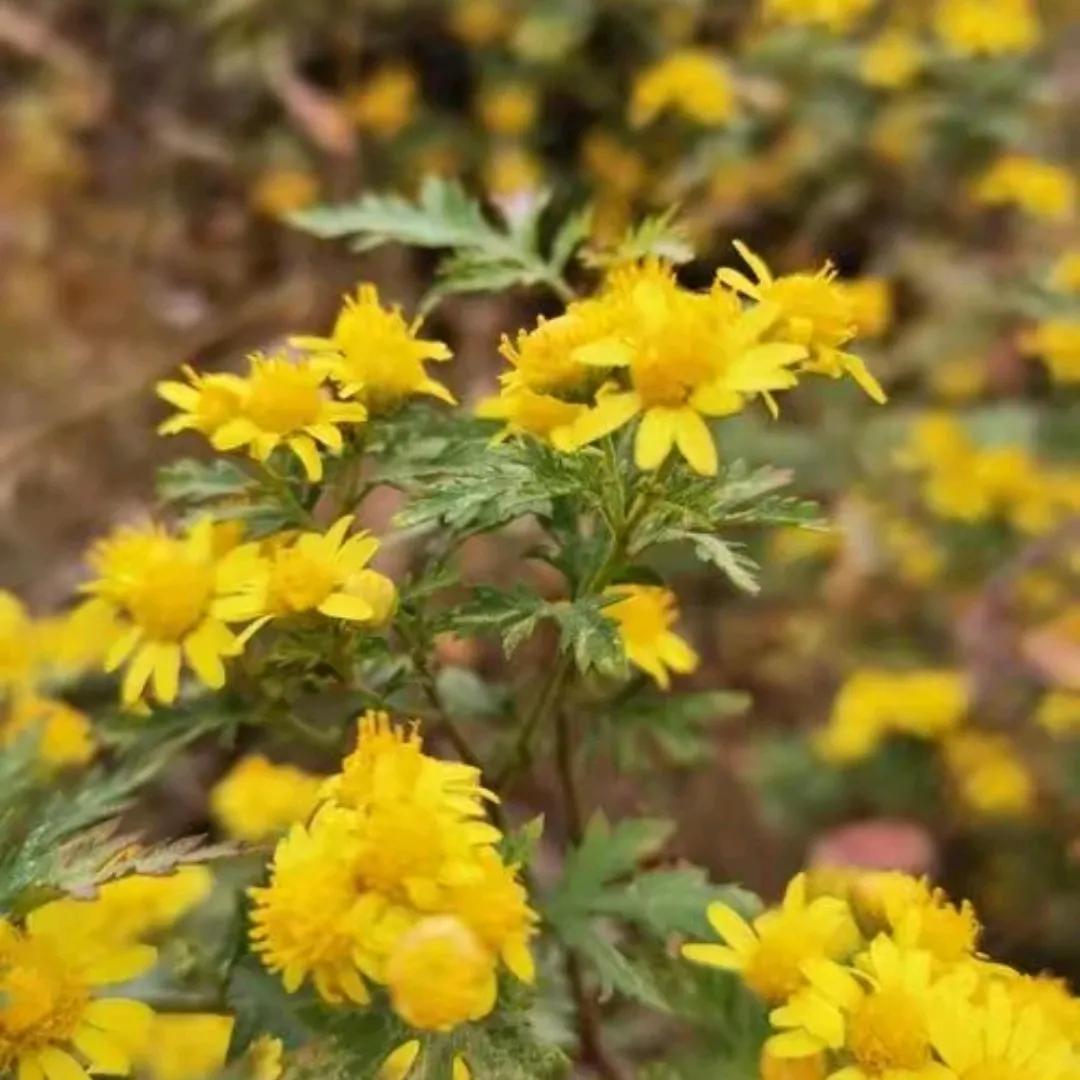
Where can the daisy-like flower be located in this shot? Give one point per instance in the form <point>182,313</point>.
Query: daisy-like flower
<point>771,953</point>
<point>1039,188</point>
<point>693,82</point>
<point>987,27</point>
<point>55,1024</point>
<point>375,356</point>
<point>65,736</point>
<point>258,799</point>
<point>645,615</point>
<point>877,1014</point>
<point>1057,341</point>
<point>324,573</point>
<point>162,589</point>
<point>284,404</point>
<point>813,311</point>
<point>206,402</point>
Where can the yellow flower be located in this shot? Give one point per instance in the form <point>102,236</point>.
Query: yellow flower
<point>374,355</point>
<point>541,416</point>
<point>281,191</point>
<point>512,171</point>
<point>996,1039</point>
<point>871,303</point>
<point>265,1058</point>
<point>989,777</point>
<point>509,109</point>
<point>313,572</point>
<point>1065,274</point>
<point>284,405</point>
<point>987,27</point>
<point>1059,713</point>
<point>16,642</point>
<point>53,1025</point>
<point>1057,341</point>
<point>257,799</point>
<point>163,589</point>
<point>386,102</point>
<point>693,82</point>
<point>877,1013</point>
<point>439,975</point>
<point>770,955</point>
<point>1039,188</point>
<point>188,1046</point>
<point>891,60</point>
<point>64,735</point>
<point>206,402</point>
<point>67,645</point>
<point>813,311</point>
<point>645,615</point>
<point>834,15</point>
<point>1051,997</point>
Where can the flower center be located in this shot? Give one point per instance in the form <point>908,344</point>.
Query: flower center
<point>283,399</point>
<point>170,597</point>
<point>774,971</point>
<point>887,1032</point>
<point>299,582</point>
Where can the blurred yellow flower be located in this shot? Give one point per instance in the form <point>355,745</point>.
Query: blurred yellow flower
<point>835,15</point>
<point>258,799</point>
<point>989,778</point>
<point>871,303</point>
<point>385,103</point>
<point>512,171</point>
<point>645,615</point>
<point>1057,342</point>
<point>16,642</point>
<point>265,1056</point>
<point>186,1046</point>
<point>279,191</point>
<point>891,60</point>
<point>987,27</point>
<point>1059,713</point>
<point>1039,188</point>
<point>958,379</point>
<point>508,109</point>
<point>64,735</point>
<point>692,82</point>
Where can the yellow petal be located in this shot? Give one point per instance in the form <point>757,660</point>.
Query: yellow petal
<point>718,956</point>
<point>140,668</point>
<point>732,927</point>
<point>518,958</point>
<point>167,673</point>
<point>29,1069</point>
<point>60,1065</point>
<point>655,437</point>
<point>345,606</point>
<point>327,434</point>
<point>400,1061</point>
<point>121,964</point>
<point>103,1054</point>
<point>460,1069</point>
<point>695,442</point>
<point>234,433</point>
<point>610,413</point>
<point>200,649</point>
<point>122,648</point>
<point>303,447</point>
<point>793,1044</point>
<point>121,1016</point>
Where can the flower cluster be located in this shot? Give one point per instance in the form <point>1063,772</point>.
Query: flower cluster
<point>876,976</point>
<point>413,895</point>
<point>645,347</point>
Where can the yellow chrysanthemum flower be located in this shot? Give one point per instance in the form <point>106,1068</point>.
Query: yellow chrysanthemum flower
<point>645,615</point>
<point>163,589</point>
<point>1050,996</point>
<point>1059,713</point>
<point>322,573</point>
<point>16,642</point>
<point>835,15</point>
<point>258,799</point>
<point>1065,273</point>
<point>1057,342</point>
<point>771,953</point>
<point>189,1046</point>
<point>508,109</point>
<point>692,82</point>
<point>65,736</point>
<point>892,60</point>
<point>206,402</point>
<point>386,102</point>
<point>987,27</point>
<point>877,1013</point>
<point>284,404</point>
<point>989,778</point>
<point>814,311</point>
<point>1039,188</point>
<point>374,355</point>
<point>53,1023</point>
<point>440,975</point>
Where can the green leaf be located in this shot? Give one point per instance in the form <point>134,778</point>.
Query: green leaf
<point>190,481</point>
<point>464,695</point>
<point>659,235</point>
<point>590,635</point>
<point>616,971</point>
<point>741,570</point>
<point>513,614</point>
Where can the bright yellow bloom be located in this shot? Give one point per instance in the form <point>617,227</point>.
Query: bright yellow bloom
<point>374,355</point>
<point>1057,341</point>
<point>163,589</point>
<point>189,1046</point>
<point>53,1026</point>
<point>1051,997</point>
<point>997,1040</point>
<point>692,82</point>
<point>871,303</point>
<point>258,800</point>
<point>265,1058</point>
<point>1039,188</point>
<point>989,777</point>
<point>284,405</point>
<point>987,27</point>
<point>1059,713</point>
<point>771,953</point>
<point>64,735</point>
<point>439,975</point>
<point>16,642</point>
<point>283,190</point>
<point>814,311</point>
<point>879,1016</point>
<point>835,15</point>
<point>892,60</point>
<point>322,573</point>
<point>386,102</point>
<point>512,171</point>
<point>1065,274</point>
<point>645,615</point>
<point>508,109</point>
<point>206,402</point>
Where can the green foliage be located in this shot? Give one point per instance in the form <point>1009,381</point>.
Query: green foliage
<point>485,254</point>
<point>658,235</point>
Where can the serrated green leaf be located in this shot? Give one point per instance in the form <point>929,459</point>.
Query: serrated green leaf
<point>590,635</point>
<point>660,235</point>
<point>616,971</point>
<point>741,570</point>
<point>190,481</point>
